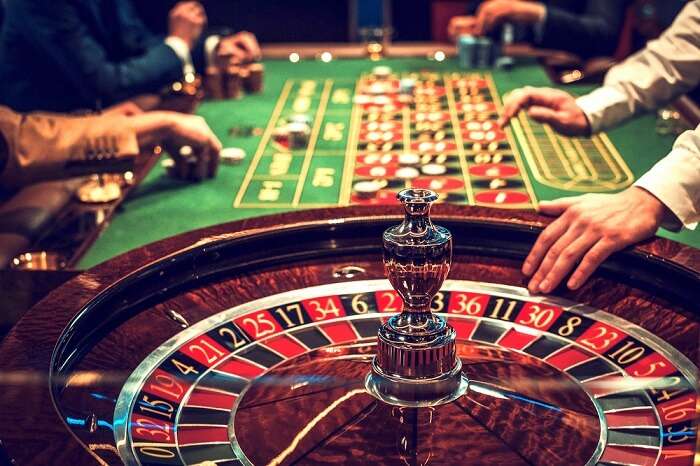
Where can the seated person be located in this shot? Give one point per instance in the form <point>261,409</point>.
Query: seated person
<point>63,55</point>
<point>593,226</point>
<point>587,28</point>
<point>39,147</point>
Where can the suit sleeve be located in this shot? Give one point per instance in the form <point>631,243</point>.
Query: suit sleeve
<point>43,146</point>
<point>592,33</point>
<point>59,32</point>
<point>135,36</point>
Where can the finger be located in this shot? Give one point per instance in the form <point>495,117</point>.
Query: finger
<point>248,42</point>
<point>567,260</point>
<point>479,23</point>
<point>133,109</point>
<point>213,166</point>
<point>515,101</point>
<point>557,206</point>
<point>488,24</point>
<point>453,27</point>
<point>590,262</point>
<point>545,115</point>
<point>548,236</point>
<point>193,7</point>
<point>201,167</point>
<point>234,57</point>
<point>550,256</point>
<point>183,168</point>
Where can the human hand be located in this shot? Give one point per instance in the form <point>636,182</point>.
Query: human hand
<point>239,48</point>
<point>545,105</point>
<point>589,228</point>
<point>494,12</point>
<point>187,21</point>
<point>173,131</point>
<point>461,25</point>
<point>127,108</point>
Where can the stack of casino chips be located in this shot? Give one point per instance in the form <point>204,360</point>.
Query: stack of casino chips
<point>484,52</point>
<point>475,52</point>
<point>231,83</point>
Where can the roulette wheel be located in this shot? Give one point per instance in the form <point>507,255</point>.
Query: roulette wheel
<point>279,341</point>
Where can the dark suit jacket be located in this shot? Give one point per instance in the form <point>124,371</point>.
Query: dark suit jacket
<point>588,28</point>
<point>63,55</point>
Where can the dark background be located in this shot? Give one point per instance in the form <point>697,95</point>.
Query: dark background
<point>295,21</point>
<point>328,20</point>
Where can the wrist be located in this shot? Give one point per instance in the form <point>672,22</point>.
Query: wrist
<point>529,12</point>
<point>151,128</point>
<point>652,204</point>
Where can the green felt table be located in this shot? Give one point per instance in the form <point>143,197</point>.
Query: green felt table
<point>162,207</point>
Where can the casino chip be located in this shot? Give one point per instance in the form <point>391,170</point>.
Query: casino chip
<point>426,146</point>
<point>361,99</point>
<point>300,118</point>
<point>407,85</point>
<point>381,72</point>
<point>232,155</point>
<point>407,173</point>
<point>186,151</point>
<point>377,89</point>
<point>377,172</point>
<point>433,169</point>
<point>409,159</point>
<point>366,189</point>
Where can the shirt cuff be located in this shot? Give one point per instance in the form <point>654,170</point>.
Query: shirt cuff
<point>210,45</point>
<point>604,107</point>
<point>674,181</point>
<point>182,50</point>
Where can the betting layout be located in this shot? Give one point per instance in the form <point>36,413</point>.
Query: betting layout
<point>361,142</point>
<point>438,132</point>
<point>590,164</point>
<point>212,394</point>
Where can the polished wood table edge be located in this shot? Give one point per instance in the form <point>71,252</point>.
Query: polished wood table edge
<point>141,169</point>
<point>115,268</point>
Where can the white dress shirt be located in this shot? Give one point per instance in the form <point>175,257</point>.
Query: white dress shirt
<point>183,52</point>
<point>666,68</point>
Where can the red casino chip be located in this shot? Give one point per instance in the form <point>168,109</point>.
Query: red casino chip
<point>494,170</point>
<point>437,91</point>
<point>469,82</point>
<point>502,197</point>
<point>433,147</point>
<point>377,171</point>
<point>375,158</point>
<point>484,136</point>
<point>381,136</point>
<point>443,183</point>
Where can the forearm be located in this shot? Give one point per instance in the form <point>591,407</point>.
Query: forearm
<point>675,181</point>
<point>41,147</point>
<point>665,69</point>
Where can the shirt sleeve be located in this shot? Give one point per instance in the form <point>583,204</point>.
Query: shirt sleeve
<point>182,50</point>
<point>666,68</point>
<point>43,146</point>
<point>675,180</point>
